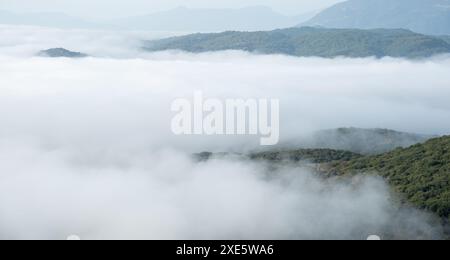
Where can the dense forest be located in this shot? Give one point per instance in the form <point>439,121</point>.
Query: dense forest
<point>309,41</point>
<point>420,172</point>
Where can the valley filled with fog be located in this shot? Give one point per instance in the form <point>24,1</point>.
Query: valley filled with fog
<point>87,148</point>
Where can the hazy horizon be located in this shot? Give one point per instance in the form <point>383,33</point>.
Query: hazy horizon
<point>118,9</point>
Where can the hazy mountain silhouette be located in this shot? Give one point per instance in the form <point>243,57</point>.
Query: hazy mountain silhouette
<point>199,20</point>
<point>422,16</point>
<point>61,53</point>
<point>47,19</point>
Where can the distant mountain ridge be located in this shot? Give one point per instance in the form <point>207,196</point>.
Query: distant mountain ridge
<point>361,141</point>
<point>422,16</point>
<point>180,19</point>
<point>251,18</point>
<point>46,19</point>
<point>309,42</point>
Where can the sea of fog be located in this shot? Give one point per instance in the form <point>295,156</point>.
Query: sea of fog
<point>86,146</point>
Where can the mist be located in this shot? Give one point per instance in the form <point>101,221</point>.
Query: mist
<point>87,149</point>
<point>165,195</point>
<point>90,9</point>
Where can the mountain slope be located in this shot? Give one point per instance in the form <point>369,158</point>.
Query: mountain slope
<point>361,141</point>
<point>445,38</point>
<point>422,16</point>
<point>420,172</point>
<point>309,41</point>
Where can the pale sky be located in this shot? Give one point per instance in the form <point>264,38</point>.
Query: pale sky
<point>120,8</point>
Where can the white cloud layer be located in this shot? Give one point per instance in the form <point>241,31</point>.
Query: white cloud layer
<point>46,195</point>
<point>86,145</point>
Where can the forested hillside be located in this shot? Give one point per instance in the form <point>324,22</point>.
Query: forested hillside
<point>310,41</point>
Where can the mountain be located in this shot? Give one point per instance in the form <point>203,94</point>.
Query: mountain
<point>421,173</point>
<point>210,20</point>
<point>422,16</point>
<point>331,145</point>
<point>61,53</point>
<point>445,38</point>
<point>360,141</point>
<point>313,156</point>
<point>308,41</point>
<point>180,19</point>
<point>49,19</point>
